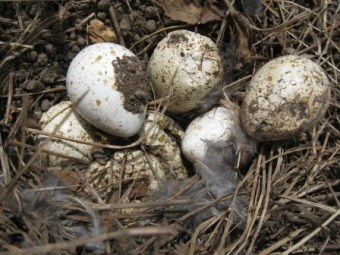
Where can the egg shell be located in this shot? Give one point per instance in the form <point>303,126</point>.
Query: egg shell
<point>160,160</point>
<point>135,165</point>
<point>286,96</point>
<point>213,126</point>
<point>95,85</point>
<point>71,126</point>
<point>187,66</point>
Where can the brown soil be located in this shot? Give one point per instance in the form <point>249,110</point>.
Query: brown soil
<point>132,80</point>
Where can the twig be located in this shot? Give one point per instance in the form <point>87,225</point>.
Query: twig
<point>17,44</point>
<point>281,242</point>
<point>116,26</point>
<point>4,163</point>
<point>123,233</point>
<point>313,233</point>
<point>9,97</point>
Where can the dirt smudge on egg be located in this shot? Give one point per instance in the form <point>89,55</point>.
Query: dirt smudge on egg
<point>133,82</point>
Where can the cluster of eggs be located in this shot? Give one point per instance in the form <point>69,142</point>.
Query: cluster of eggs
<point>109,88</point>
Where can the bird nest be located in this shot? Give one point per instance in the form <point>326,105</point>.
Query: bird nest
<point>290,190</point>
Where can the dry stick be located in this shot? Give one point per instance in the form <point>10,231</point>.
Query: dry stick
<point>242,239</point>
<point>317,187</point>
<point>194,237</point>
<point>317,54</point>
<point>40,92</point>
<point>28,146</point>
<point>17,124</point>
<point>81,23</point>
<point>281,242</point>
<point>17,45</point>
<point>305,34</point>
<point>23,131</point>
<point>278,164</point>
<point>316,231</point>
<point>35,131</point>
<point>239,16</point>
<point>148,159</point>
<point>334,197</point>
<point>314,170</point>
<point>9,97</point>
<point>4,163</point>
<point>121,172</point>
<point>116,26</point>
<point>102,207</point>
<point>222,30</point>
<point>157,32</point>
<point>258,200</point>
<point>18,14</point>
<point>303,201</point>
<point>214,232</point>
<point>264,210</point>
<point>235,83</point>
<point>331,189</point>
<point>324,245</point>
<point>290,187</point>
<point>124,233</point>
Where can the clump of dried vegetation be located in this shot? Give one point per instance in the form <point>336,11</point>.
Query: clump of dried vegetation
<point>292,186</point>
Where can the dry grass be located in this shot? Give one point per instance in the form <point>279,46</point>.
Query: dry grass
<point>292,186</point>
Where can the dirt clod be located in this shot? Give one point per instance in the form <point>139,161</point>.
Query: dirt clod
<point>133,82</point>
<point>34,85</point>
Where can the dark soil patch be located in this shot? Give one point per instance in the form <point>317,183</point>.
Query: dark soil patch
<point>132,80</point>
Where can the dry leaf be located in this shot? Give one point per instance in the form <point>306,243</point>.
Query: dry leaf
<point>211,11</point>
<point>191,12</point>
<point>243,50</point>
<point>98,32</point>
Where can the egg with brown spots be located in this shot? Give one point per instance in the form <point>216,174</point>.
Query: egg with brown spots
<point>185,66</point>
<point>63,121</point>
<point>109,88</point>
<point>287,96</point>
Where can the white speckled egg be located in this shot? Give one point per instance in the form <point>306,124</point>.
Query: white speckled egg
<point>213,126</point>
<point>109,88</point>
<point>71,126</point>
<point>186,66</point>
<point>286,96</point>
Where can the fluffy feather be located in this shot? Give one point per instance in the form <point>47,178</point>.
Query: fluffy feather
<point>217,178</point>
<point>47,216</point>
<point>252,7</point>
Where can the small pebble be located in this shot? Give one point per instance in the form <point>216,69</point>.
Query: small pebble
<point>50,49</point>
<point>73,36</point>
<point>101,15</point>
<point>103,5</point>
<point>45,105</point>
<point>125,23</point>
<point>42,59</point>
<point>150,12</point>
<point>150,26</point>
<point>49,76</point>
<point>75,48</point>
<point>34,85</point>
<point>33,55</point>
<point>107,22</point>
<point>81,41</point>
<point>20,76</point>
